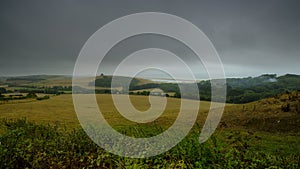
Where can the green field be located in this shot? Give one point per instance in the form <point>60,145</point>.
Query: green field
<point>39,134</point>
<point>60,109</point>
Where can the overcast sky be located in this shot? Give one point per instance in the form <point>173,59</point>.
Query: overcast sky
<point>252,37</point>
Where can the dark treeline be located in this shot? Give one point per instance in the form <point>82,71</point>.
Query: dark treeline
<point>33,89</point>
<point>119,81</point>
<point>239,90</point>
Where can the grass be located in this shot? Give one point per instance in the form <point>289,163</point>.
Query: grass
<point>51,136</point>
<point>25,144</point>
<point>57,109</point>
<point>60,109</point>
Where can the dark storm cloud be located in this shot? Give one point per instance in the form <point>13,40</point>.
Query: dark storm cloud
<point>252,37</point>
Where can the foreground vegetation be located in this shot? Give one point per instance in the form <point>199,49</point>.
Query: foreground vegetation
<point>25,144</point>
<point>262,134</point>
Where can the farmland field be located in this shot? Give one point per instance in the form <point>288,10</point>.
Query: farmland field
<point>248,135</point>
<point>60,109</point>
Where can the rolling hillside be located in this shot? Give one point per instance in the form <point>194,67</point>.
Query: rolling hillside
<point>38,80</point>
<point>239,90</point>
<point>277,114</point>
<point>280,113</point>
<point>258,134</point>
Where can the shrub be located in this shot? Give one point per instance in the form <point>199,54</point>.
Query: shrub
<point>43,98</point>
<point>286,107</point>
<point>31,95</point>
<point>28,145</point>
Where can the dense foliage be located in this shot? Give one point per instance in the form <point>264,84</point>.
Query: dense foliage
<point>25,144</point>
<point>239,90</point>
<point>119,81</point>
<point>252,89</point>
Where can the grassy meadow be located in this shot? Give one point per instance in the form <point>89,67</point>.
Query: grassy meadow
<point>47,133</point>
<point>60,109</point>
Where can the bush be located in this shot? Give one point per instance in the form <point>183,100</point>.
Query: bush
<point>2,90</point>
<point>31,95</point>
<point>28,145</point>
<point>43,98</point>
<point>286,107</point>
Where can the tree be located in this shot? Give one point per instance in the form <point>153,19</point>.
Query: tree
<point>177,95</point>
<point>2,90</point>
<point>286,107</point>
<point>31,95</point>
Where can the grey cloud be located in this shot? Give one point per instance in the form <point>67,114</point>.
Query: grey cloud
<point>252,37</point>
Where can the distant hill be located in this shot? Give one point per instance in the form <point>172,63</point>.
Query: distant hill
<point>239,90</point>
<point>251,89</point>
<point>38,80</point>
<point>119,81</point>
<point>251,81</point>
<point>52,80</point>
<point>288,80</point>
<point>245,90</point>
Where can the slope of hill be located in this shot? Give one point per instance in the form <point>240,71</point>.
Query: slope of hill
<point>261,134</point>
<point>62,80</point>
<point>39,80</point>
<point>280,113</point>
<point>277,114</point>
<point>239,90</point>
<point>253,89</point>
